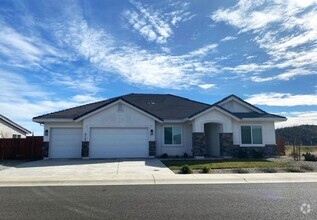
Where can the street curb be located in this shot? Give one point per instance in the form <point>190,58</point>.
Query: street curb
<point>173,179</point>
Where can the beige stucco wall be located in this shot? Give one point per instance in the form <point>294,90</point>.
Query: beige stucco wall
<point>212,116</point>
<point>7,130</point>
<point>268,131</point>
<point>173,150</point>
<point>112,118</point>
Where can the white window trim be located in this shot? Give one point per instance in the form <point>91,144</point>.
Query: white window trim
<point>173,145</point>
<point>251,145</point>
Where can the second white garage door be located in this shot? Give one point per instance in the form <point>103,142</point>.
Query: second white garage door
<point>118,143</point>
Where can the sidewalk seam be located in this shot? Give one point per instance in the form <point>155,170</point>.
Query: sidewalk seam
<point>154,179</point>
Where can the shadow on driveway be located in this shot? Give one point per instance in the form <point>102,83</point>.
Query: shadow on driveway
<point>75,162</point>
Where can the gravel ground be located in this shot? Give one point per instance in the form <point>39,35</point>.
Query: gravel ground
<point>296,163</point>
<point>296,166</point>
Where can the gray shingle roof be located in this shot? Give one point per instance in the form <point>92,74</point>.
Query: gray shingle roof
<point>161,106</point>
<point>3,118</point>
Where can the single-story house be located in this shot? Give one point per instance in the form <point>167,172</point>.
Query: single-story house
<point>150,125</point>
<point>10,129</point>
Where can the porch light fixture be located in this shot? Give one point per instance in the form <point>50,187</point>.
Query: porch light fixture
<point>151,132</point>
<point>46,132</point>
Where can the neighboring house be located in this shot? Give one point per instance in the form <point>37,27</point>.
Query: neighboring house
<point>148,125</point>
<point>9,129</point>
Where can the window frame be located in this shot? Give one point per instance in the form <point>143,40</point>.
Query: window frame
<point>16,136</point>
<point>173,126</point>
<point>252,143</point>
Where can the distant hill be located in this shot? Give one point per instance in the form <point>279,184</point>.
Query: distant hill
<point>302,134</point>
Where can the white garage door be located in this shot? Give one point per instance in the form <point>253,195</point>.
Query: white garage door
<point>118,143</point>
<point>65,143</point>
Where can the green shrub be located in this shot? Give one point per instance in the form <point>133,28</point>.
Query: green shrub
<point>309,157</point>
<point>165,155</point>
<point>185,170</point>
<point>206,170</point>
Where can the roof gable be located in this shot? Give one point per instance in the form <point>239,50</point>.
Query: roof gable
<point>15,125</point>
<point>235,104</point>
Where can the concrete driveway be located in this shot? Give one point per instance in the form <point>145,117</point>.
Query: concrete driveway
<point>64,170</point>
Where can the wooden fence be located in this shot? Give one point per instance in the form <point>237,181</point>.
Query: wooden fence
<point>280,142</point>
<point>29,148</point>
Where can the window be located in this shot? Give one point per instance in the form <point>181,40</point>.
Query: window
<point>16,136</point>
<point>251,134</point>
<point>172,135</point>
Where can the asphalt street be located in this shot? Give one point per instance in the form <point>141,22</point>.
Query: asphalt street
<point>235,201</point>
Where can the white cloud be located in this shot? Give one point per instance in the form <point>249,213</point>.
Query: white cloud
<point>228,38</point>
<point>130,62</point>
<point>87,83</point>
<point>298,118</point>
<point>285,30</point>
<point>21,100</point>
<point>154,25</point>
<point>148,23</point>
<point>85,98</point>
<point>283,99</point>
<point>207,86</point>
<point>26,51</point>
<point>284,76</point>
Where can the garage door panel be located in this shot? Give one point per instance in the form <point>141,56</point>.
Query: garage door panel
<point>65,143</point>
<point>118,142</point>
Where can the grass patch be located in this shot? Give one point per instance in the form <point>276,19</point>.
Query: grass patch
<point>222,164</point>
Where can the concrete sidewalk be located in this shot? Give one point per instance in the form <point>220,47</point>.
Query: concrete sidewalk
<point>126,172</point>
<point>126,179</point>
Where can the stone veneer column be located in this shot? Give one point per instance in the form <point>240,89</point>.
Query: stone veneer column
<point>199,144</point>
<point>45,149</point>
<point>152,148</point>
<point>226,145</point>
<point>85,149</point>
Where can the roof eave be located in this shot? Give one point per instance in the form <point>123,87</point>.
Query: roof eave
<point>45,120</point>
<point>264,119</point>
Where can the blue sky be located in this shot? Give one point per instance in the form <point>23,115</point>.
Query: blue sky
<point>60,54</point>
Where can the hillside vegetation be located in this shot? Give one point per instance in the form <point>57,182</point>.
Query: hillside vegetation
<point>303,135</point>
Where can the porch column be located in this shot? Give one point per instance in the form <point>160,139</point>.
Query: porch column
<point>226,145</point>
<point>85,149</point>
<point>199,144</point>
